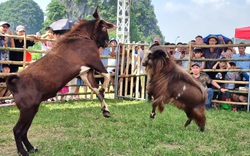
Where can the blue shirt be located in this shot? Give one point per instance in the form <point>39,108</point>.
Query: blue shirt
<point>1,51</point>
<point>109,61</point>
<point>242,64</point>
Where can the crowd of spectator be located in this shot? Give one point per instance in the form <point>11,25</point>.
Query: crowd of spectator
<point>198,54</point>
<point>225,54</point>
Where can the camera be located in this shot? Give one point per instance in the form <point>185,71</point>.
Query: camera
<point>183,52</point>
<point>171,52</point>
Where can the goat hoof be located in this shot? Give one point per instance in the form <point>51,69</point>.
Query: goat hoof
<point>152,115</point>
<point>202,129</point>
<point>23,154</point>
<point>187,122</point>
<point>34,150</point>
<point>106,114</point>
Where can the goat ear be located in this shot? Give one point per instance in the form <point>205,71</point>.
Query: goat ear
<point>95,14</point>
<point>108,25</point>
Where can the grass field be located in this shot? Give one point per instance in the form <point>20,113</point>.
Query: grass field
<point>78,129</point>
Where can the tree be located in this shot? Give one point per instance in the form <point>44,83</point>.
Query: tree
<point>22,12</point>
<point>54,11</point>
<point>143,22</point>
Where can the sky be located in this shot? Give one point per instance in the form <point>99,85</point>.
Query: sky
<point>189,18</point>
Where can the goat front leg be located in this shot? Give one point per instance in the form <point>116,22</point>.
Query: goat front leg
<point>89,79</point>
<point>154,105</point>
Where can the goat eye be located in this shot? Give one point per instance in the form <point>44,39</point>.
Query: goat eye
<point>104,29</point>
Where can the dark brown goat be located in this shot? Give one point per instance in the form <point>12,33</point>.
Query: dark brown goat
<point>74,54</point>
<point>168,83</point>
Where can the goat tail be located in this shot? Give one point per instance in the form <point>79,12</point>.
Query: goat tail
<point>161,107</point>
<point>11,83</point>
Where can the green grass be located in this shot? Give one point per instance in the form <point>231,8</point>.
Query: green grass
<point>78,129</point>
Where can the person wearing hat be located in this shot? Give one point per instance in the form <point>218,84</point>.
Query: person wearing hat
<point>19,43</point>
<point>4,26</point>
<point>212,53</point>
<point>4,29</point>
<point>205,80</point>
<point>198,55</point>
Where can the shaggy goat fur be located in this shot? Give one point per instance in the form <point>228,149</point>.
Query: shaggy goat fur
<point>170,84</point>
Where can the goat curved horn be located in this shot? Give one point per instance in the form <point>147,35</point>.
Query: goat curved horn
<point>95,14</point>
<point>156,48</point>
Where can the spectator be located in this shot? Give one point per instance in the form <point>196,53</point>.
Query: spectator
<point>139,60</point>
<point>185,55</point>
<point>178,53</point>
<point>171,50</point>
<point>228,52</point>
<point>80,83</point>
<point>199,40</point>
<point>4,26</point>
<point>49,34</point>
<point>72,88</point>
<point>231,76</point>
<point>63,91</point>
<point>138,69</point>
<point>19,43</point>
<point>242,64</point>
<point>166,44</point>
<point>108,51</point>
<point>220,75</point>
<point>212,53</point>
<point>192,42</point>
<point>198,55</point>
<point>157,41</point>
<point>4,92</point>
<point>128,71</point>
<point>240,98</point>
<point>223,64</point>
<point>205,79</point>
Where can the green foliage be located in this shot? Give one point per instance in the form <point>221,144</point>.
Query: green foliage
<point>143,22</point>
<point>22,12</point>
<point>78,128</point>
<point>54,11</point>
<point>37,46</point>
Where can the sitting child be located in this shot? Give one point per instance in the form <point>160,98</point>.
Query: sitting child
<point>231,76</point>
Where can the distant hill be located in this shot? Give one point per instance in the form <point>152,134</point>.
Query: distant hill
<point>143,22</point>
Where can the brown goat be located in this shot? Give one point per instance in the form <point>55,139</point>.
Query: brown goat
<point>76,53</point>
<point>168,83</point>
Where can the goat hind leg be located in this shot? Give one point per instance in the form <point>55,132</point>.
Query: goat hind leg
<point>26,142</point>
<point>200,118</point>
<point>188,113</point>
<point>20,131</point>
